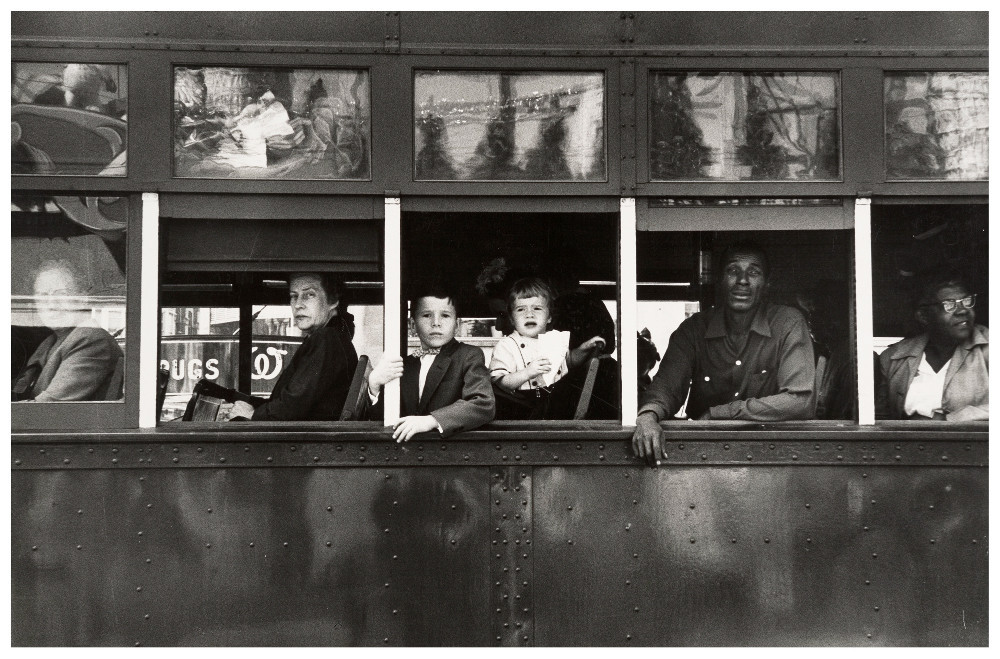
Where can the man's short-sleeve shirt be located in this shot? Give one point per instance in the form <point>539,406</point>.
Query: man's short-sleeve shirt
<point>770,379</point>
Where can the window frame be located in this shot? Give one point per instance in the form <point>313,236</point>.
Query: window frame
<point>90,415</point>
<point>523,64</point>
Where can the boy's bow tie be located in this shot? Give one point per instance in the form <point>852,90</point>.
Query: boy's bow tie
<point>420,352</point>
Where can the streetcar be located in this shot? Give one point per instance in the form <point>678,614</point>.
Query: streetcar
<point>182,166</point>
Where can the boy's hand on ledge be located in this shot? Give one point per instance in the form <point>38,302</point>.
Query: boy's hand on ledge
<point>385,371</point>
<point>409,426</point>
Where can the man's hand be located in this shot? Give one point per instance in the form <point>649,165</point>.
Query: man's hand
<point>647,442</point>
<point>241,408</point>
<point>385,371</point>
<point>409,426</point>
<point>591,343</point>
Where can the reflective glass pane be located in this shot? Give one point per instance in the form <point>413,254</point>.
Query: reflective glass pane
<point>68,118</point>
<point>197,342</point>
<point>67,298</point>
<point>937,126</point>
<point>271,123</point>
<point>744,126</point>
<point>493,126</point>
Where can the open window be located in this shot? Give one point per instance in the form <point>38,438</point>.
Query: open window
<point>224,298</point>
<point>480,256</point>
<point>923,254</point>
<point>808,250</point>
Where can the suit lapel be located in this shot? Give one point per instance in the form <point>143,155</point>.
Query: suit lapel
<point>408,385</point>
<point>436,373</point>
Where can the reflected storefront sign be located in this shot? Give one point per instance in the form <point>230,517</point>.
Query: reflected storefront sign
<point>188,359</point>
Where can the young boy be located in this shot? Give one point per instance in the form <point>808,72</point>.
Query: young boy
<point>517,362</point>
<point>444,384</point>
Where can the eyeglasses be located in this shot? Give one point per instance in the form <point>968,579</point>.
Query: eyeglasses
<point>949,306</point>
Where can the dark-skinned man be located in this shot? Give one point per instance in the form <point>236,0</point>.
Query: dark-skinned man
<point>747,359</point>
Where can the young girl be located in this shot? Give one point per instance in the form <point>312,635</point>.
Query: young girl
<point>518,362</point>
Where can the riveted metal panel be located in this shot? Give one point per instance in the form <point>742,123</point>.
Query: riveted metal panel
<point>512,557</point>
<point>250,557</point>
<point>377,450</point>
<point>761,556</point>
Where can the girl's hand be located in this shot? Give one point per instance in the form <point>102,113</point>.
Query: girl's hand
<point>538,367</point>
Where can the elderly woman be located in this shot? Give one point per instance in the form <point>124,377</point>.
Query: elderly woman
<point>313,387</point>
<point>942,373</point>
<point>79,361</point>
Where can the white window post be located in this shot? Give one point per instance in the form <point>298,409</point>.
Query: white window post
<point>149,330</point>
<point>391,318</point>
<point>627,311</point>
<point>863,310</point>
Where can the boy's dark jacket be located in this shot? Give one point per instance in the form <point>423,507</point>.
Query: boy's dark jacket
<point>457,392</point>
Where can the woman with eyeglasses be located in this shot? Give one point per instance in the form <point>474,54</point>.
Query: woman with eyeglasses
<point>942,373</point>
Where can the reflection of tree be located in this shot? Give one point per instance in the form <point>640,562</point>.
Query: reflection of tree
<point>433,160</point>
<point>677,149</point>
<point>910,154</point>
<point>494,155</point>
<point>780,106</point>
<point>547,161</point>
<point>766,160</point>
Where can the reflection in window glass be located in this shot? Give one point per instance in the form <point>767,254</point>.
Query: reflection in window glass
<point>767,338</point>
<point>491,126</point>
<point>744,126</point>
<point>937,126</point>
<point>198,342</point>
<point>932,358</point>
<point>68,118</point>
<point>271,123</point>
<point>67,298</point>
